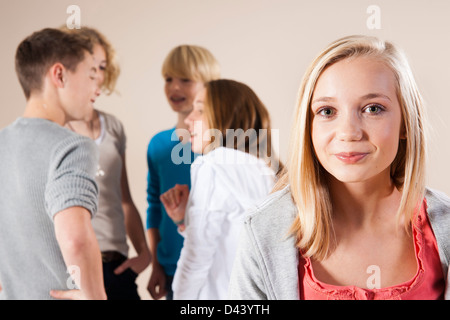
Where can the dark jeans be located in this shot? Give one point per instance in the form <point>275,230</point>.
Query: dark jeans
<point>169,280</point>
<point>122,286</point>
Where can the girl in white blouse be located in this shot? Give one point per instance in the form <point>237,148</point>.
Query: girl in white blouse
<point>230,127</point>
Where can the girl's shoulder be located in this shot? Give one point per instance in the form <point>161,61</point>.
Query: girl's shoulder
<point>438,210</point>
<point>227,158</point>
<point>110,119</point>
<point>112,124</point>
<point>276,213</point>
<point>438,203</point>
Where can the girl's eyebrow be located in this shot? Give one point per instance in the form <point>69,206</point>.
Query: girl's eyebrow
<point>364,97</point>
<point>323,99</point>
<point>375,95</point>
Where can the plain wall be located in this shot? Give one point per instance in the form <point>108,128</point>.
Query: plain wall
<point>265,44</point>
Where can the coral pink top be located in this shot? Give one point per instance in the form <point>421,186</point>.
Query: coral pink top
<point>427,284</point>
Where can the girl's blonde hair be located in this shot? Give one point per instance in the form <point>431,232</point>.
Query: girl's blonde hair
<point>305,175</point>
<point>112,70</point>
<point>191,62</point>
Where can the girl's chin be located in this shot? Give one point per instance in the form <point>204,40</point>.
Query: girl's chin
<point>355,178</point>
<point>195,148</point>
<point>199,148</point>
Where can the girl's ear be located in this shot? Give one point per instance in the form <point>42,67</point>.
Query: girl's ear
<point>403,133</point>
<point>57,75</point>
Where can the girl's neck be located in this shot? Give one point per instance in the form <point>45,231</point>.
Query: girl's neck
<point>364,203</point>
<point>90,128</point>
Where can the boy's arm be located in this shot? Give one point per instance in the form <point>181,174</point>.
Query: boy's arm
<point>157,282</point>
<point>79,248</point>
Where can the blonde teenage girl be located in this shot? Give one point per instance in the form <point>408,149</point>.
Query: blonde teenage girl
<point>352,218</point>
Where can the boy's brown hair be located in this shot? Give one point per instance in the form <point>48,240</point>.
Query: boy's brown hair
<point>42,49</point>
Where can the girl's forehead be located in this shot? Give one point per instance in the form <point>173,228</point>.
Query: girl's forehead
<point>356,76</point>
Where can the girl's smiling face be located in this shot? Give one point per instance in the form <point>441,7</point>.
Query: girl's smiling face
<point>197,123</point>
<point>356,119</point>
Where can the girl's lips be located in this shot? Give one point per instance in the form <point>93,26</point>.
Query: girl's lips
<point>192,135</point>
<point>351,157</point>
<point>193,138</point>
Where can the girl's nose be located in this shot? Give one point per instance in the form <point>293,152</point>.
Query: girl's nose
<point>98,91</point>
<point>349,127</point>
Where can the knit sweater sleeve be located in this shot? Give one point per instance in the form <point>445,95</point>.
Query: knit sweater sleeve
<point>71,176</point>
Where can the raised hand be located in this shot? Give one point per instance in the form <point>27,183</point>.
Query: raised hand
<point>175,201</point>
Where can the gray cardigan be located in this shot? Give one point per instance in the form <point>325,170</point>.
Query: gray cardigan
<point>267,258</point>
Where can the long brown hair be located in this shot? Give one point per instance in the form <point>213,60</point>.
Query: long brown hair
<point>236,111</point>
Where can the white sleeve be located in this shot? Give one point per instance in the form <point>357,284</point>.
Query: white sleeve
<point>204,218</point>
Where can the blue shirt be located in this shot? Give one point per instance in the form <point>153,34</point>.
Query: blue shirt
<point>169,162</point>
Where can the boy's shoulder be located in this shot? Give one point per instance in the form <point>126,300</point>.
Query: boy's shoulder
<point>45,140</point>
<point>164,136</point>
<point>163,140</point>
<point>37,130</point>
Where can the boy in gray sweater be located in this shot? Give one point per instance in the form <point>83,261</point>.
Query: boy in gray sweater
<point>48,192</point>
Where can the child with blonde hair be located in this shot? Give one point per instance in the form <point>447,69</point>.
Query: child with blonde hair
<point>169,156</point>
<point>351,217</point>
